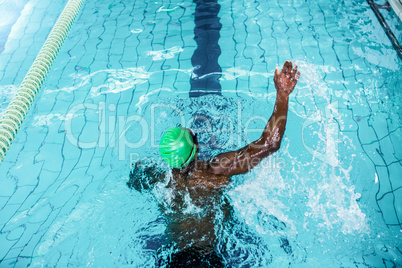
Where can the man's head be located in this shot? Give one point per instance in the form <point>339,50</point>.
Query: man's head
<point>178,147</point>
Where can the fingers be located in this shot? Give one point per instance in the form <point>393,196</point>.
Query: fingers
<point>297,76</point>
<point>287,67</point>
<point>288,70</point>
<point>294,71</point>
<point>276,74</point>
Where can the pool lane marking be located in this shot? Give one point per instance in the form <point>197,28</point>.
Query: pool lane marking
<point>206,72</point>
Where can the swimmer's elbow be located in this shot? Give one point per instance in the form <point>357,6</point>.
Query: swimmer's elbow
<point>275,146</point>
<point>267,148</point>
<point>272,142</point>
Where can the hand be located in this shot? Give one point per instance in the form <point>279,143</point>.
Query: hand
<point>286,80</point>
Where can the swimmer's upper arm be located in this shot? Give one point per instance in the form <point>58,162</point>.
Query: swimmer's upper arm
<point>244,159</point>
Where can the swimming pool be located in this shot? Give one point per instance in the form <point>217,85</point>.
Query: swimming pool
<point>331,195</point>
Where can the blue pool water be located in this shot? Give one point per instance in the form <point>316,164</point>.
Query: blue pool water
<point>331,196</point>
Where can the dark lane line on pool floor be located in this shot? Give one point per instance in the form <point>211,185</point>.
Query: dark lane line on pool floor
<point>206,74</point>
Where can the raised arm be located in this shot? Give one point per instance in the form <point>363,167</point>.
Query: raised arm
<point>244,159</point>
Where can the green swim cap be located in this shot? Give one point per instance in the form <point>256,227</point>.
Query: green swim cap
<point>177,147</point>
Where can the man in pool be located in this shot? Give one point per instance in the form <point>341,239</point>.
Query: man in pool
<point>203,182</point>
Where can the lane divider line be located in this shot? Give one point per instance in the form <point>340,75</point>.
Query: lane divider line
<point>25,95</point>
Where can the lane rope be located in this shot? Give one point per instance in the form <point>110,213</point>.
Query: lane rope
<point>25,95</point>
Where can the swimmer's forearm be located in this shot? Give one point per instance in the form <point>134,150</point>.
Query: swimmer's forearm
<point>275,128</point>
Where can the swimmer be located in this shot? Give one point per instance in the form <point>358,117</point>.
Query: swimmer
<point>204,181</point>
